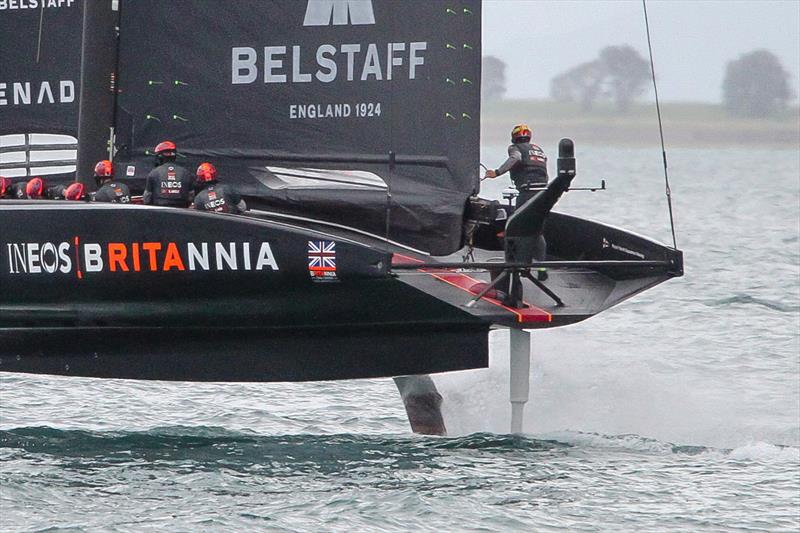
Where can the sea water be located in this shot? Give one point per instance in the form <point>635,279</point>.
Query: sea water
<point>678,410</point>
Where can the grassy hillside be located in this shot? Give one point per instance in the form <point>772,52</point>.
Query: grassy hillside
<point>685,124</point>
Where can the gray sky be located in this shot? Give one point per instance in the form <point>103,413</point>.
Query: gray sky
<point>692,39</point>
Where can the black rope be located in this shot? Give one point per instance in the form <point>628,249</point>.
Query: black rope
<point>660,127</point>
<point>39,40</point>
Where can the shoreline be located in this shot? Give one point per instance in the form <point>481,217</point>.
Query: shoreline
<point>685,125</point>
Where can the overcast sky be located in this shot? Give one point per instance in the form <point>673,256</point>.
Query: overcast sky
<point>692,39</point>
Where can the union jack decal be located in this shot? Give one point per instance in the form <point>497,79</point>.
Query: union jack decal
<point>322,260</point>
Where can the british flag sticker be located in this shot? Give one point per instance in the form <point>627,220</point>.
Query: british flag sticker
<point>322,260</point>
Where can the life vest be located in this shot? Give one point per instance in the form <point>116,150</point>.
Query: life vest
<point>531,171</point>
<point>113,192</point>
<point>217,198</point>
<point>171,185</point>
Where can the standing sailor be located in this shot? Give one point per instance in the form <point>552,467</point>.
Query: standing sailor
<point>108,189</point>
<point>527,163</point>
<point>214,196</point>
<point>169,184</point>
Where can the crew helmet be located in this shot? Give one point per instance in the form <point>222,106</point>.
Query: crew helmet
<point>104,169</point>
<point>206,173</point>
<point>75,191</point>
<point>5,185</point>
<point>35,188</point>
<point>166,149</point>
<point>521,133</point>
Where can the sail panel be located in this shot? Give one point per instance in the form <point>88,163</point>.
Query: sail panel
<point>321,84</point>
<point>40,60</point>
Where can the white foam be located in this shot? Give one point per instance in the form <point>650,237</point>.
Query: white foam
<point>601,378</point>
<point>763,451</point>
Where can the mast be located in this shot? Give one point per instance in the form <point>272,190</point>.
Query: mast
<point>97,88</point>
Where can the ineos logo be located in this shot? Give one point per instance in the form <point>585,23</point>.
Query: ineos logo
<point>322,12</point>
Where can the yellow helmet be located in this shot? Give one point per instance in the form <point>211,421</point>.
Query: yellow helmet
<point>520,133</point>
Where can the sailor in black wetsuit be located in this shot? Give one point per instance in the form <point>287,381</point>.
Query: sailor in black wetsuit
<point>169,184</point>
<point>35,189</point>
<point>18,190</point>
<point>109,190</point>
<point>56,192</point>
<point>75,192</point>
<point>528,166</point>
<point>527,163</point>
<point>214,196</point>
<point>5,187</point>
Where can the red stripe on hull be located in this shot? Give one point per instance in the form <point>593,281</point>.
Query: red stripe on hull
<point>461,281</point>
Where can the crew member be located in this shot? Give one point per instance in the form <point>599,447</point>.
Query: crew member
<point>214,196</point>
<point>527,163</point>
<point>18,190</point>
<point>169,184</point>
<point>56,192</point>
<point>35,189</point>
<point>75,192</point>
<point>108,189</point>
<point>5,187</point>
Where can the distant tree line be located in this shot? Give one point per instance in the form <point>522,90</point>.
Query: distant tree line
<point>619,74</point>
<point>755,84</point>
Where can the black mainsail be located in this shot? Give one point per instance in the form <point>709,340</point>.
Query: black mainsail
<point>326,108</point>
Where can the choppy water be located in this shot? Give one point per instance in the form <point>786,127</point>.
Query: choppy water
<point>679,410</point>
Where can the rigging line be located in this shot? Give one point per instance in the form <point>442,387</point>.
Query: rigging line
<point>115,80</point>
<point>484,168</point>
<point>660,127</point>
<point>39,41</point>
<point>392,157</point>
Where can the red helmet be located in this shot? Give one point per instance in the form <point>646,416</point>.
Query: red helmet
<point>521,133</point>
<point>5,184</point>
<point>206,173</point>
<point>104,169</point>
<point>35,188</point>
<point>76,190</point>
<point>165,147</point>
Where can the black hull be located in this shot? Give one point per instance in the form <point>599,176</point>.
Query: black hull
<point>590,267</point>
<point>125,292</point>
<point>244,354</point>
<point>244,316</point>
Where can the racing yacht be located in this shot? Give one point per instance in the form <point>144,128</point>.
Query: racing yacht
<point>351,128</point>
